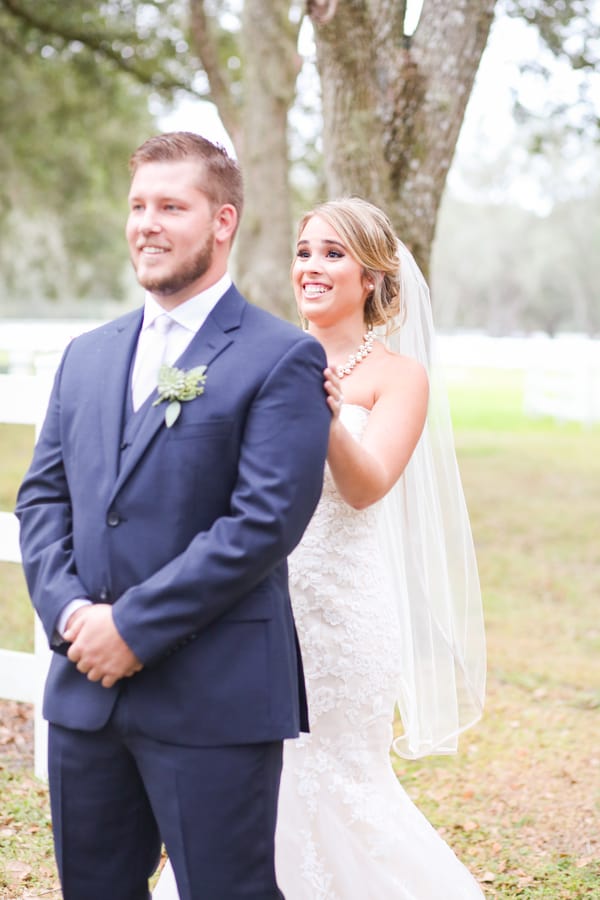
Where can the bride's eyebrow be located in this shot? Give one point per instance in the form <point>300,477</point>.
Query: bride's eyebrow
<point>325,243</point>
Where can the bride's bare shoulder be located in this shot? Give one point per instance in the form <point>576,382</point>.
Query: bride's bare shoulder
<point>398,369</point>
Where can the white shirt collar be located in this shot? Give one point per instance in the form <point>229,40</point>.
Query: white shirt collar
<point>192,314</point>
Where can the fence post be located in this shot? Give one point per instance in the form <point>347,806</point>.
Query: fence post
<point>42,655</point>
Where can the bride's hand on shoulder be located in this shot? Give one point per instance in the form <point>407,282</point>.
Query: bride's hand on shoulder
<point>333,390</point>
<point>365,470</point>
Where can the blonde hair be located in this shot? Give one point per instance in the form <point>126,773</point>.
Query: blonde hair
<point>369,237</point>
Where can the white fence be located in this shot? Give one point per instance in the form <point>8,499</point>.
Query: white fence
<point>23,400</point>
<point>561,376</point>
<point>32,349</point>
<point>562,379</point>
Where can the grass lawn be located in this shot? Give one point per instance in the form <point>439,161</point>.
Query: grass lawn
<point>16,445</point>
<point>520,803</point>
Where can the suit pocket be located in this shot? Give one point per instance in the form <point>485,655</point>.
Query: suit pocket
<point>189,431</point>
<point>206,453</point>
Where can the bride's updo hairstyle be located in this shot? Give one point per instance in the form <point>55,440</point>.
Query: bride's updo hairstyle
<point>369,237</point>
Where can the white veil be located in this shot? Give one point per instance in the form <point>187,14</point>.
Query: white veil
<point>426,538</point>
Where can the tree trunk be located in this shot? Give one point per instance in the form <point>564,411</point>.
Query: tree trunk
<point>393,106</point>
<point>257,125</point>
<point>271,65</point>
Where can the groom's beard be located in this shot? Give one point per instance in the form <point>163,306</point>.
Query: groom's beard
<point>188,272</point>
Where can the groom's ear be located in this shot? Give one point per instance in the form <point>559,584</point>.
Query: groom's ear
<point>225,223</point>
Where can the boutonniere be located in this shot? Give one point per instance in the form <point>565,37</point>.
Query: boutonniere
<point>176,386</point>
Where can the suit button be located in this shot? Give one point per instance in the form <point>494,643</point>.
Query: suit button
<point>103,595</point>
<point>113,518</point>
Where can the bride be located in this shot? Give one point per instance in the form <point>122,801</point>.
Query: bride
<point>384,583</point>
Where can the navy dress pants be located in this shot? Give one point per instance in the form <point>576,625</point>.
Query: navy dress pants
<point>116,795</point>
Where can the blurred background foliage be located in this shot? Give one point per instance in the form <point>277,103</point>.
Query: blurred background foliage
<point>505,269</point>
<point>81,84</point>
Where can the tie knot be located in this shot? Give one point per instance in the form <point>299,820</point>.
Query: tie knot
<point>162,323</point>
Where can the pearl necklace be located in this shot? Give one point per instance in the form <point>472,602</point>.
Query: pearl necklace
<point>363,351</point>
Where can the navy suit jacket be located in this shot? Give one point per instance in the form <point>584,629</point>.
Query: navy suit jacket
<point>186,532</point>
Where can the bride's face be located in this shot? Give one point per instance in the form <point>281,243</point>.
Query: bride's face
<point>329,284</point>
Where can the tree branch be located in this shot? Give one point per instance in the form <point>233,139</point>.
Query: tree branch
<point>205,45</point>
<point>99,43</point>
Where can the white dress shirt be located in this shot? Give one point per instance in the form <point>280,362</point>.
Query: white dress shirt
<point>187,318</point>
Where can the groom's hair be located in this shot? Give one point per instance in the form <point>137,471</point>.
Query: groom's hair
<point>220,176</point>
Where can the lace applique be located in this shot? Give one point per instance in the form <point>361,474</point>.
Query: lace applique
<point>347,830</point>
<point>313,871</point>
<point>346,620</point>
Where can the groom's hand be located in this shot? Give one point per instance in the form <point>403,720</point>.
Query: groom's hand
<point>97,648</point>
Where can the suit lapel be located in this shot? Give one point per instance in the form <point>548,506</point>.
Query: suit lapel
<point>121,339</point>
<point>215,335</point>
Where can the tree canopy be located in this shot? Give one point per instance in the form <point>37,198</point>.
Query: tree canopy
<point>78,79</point>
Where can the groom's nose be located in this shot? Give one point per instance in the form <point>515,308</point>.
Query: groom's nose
<point>149,225</point>
<point>148,222</point>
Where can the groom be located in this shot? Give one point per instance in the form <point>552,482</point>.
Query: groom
<point>154,529</point>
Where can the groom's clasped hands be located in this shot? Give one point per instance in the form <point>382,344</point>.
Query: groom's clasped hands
<point>97,648</point>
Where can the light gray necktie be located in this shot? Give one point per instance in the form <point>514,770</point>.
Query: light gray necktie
<point>151,351</point>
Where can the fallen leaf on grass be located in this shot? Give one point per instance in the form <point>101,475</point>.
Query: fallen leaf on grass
<point>488,878</point>
<point>570,776</point>
<point>17,871</point>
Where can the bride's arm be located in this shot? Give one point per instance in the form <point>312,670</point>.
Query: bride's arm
<point>364,472</point>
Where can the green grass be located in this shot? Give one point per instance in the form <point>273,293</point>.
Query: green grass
<point>486,399</point>
<point>15,609</point>
<point>16,615</point>
<point>16,446</point>
<point>26,851</point>
<point>491,400</point>
<point>520,803</point>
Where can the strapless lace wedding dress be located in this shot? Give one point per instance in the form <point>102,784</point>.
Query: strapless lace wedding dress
<point>346,828</point>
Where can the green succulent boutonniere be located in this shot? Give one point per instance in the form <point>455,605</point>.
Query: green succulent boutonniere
<point>176,386</point>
